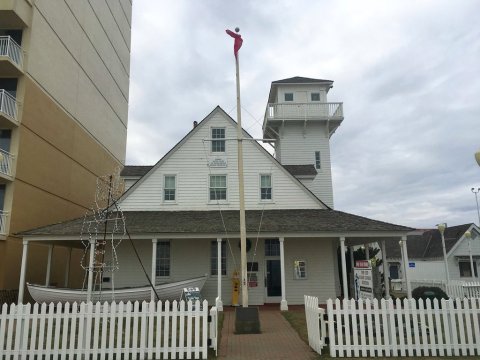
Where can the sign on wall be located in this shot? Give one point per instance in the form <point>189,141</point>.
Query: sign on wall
<point>363,280</point>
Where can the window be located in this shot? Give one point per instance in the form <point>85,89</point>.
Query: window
<point>218,145</point>
<point>466,270</point>
<point>288,96</point>
<point>300,269</point>
<point>213,261</point>
<point>265,187</point>
<point>315,96</point>
<point>218,187</point>
<point>272,247</point>
<point>318,163</point>
<point>163,258</point>
<point>169,188</point>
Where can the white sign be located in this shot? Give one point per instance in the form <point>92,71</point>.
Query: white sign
<point>217,161</point>
<point>363,283</point>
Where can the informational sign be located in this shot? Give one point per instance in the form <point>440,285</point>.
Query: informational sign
<point>363,280</point>
<point>192,293</point>
<point>252,279</point>
<point>217,161</point>
<point>411,264</point>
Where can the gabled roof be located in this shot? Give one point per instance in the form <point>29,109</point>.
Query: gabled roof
<point>195,129</point>
<point>211,222</point>
<point>301,80</point>
<point>428,244</point>
<point>301,170</point>
<point>135,170</point>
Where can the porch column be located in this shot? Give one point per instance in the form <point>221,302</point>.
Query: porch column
<point>352,259</point>
<point>403,244</point>
<point>218,300</point>
<point>386,280</point>
<point>344,267</point>
<point>67,267</point>
<point>90,270</point>
<point>283,303</point>
<point>23,271</point>
<point>49,265</point>
<point>154,268</point>
<point>367,252</point>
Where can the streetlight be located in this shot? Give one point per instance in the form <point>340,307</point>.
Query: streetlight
<point>468,235</point>
<point>441,229</point>
<point>476,199</point>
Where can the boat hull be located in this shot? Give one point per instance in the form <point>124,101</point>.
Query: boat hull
<point>170,291</point>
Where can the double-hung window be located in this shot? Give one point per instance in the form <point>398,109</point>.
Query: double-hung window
<point>315,96</point>
<point>218,145</point>
<point>466,268</point>
<point>218,187</point>
<point>169,187</point>
<point>288,96</point>
<point>163,258</point>
<point>318,163</point>
<point>266,187</point>
<point>214,258</point>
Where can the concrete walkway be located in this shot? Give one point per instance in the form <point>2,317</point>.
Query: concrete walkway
<point>278,339</point>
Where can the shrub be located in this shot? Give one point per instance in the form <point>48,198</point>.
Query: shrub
<point>429,292</point>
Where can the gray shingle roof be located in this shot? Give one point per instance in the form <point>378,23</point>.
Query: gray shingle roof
<point>300,80</point>
<point>428,245</point>
<point>135,170</point>
<point>197,222</point>
<point>299,170</point>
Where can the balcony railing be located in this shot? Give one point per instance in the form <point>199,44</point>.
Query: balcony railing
<point>8,105</point>
<point>6,163</point>
<point>10,49</point>
<point>304,111</point>
<point>3,222</point>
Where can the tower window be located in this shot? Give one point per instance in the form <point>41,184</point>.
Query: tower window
<point>315,96</point>
<point>318,164</point>
<point>288,96</point>
<point>218,145</point>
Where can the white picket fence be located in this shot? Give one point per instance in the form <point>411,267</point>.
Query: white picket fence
<point>315,323</point>
<point>454,289</point>
<point>150,330</point>
<point>388,328</point>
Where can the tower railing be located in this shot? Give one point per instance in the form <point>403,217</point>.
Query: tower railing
<point>10,49</point>
<point>8,104</point>
<point>332,110</point>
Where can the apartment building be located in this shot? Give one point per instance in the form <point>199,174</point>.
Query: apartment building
<point>64,82</point>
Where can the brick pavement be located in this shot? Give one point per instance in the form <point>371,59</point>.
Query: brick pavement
<point>278,339</point>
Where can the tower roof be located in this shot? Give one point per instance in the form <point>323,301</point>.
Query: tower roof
<point>301,80</point>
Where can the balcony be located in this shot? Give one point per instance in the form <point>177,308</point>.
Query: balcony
<point>305,111</point>
<point>8,110</point>
<point>3,222</point>
<point>15,14</point>
<point>11,57</point>
<point>6,164</point>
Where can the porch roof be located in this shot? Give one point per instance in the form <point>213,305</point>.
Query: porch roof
<point>203,222</point>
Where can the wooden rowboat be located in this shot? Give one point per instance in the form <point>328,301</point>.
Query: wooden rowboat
<point>169,291</point>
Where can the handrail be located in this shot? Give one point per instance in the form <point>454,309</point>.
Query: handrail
<point>304,110</point>
<point>6,162</point>
<point>8,104</point>
<point>3,222</point>
<point>9,48</point>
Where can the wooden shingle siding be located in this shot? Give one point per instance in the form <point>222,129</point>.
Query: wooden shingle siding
<point>189,163</point>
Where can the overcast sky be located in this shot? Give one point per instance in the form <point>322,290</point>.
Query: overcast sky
<point>408,74</point>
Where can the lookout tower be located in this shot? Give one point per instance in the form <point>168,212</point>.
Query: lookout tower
<point>301,120</point>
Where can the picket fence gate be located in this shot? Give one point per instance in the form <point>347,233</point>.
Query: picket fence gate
<point>108,331</point>
<point>315,325</point>
<point>366,328</point>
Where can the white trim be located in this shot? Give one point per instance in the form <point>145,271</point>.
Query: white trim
<point>23,271</point>
<point>153,274</point>
<point>344,267</point>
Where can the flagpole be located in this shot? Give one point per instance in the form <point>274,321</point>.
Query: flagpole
<point>241,191</point>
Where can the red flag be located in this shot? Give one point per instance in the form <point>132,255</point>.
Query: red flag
<point>238,41</point>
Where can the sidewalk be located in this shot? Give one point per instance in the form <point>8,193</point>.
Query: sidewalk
<point>278,339</point>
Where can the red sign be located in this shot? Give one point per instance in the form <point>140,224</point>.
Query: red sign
<point>362,264</point>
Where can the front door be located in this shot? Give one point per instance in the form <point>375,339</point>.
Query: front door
<point>274,282</point>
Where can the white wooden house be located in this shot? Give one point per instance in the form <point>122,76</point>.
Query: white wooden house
<point>426,261</point>
<point>183,211</point>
